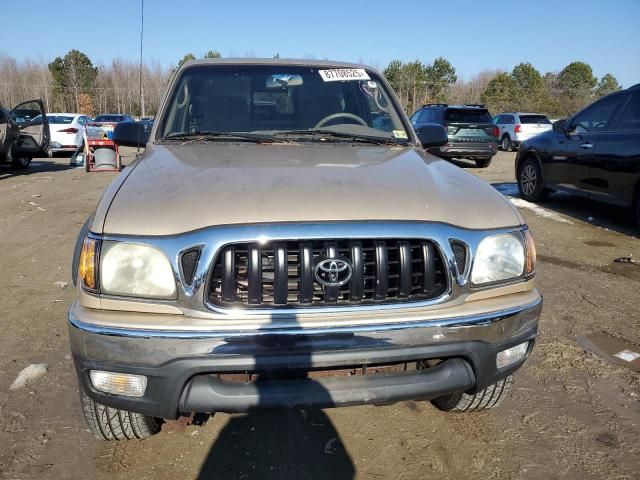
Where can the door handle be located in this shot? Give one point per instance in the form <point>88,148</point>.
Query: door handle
<point>587,145</point>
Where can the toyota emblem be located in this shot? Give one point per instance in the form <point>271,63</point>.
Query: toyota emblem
<point>333,272</point>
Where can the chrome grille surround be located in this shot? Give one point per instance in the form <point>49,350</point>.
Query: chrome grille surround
<point>211,240</point>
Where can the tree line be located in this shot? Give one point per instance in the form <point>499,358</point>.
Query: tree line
<point>74,83</point>
<point>557,94</point>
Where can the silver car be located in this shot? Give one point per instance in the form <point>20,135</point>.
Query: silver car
<point>516,127</point>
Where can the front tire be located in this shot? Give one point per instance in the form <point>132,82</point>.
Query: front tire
<point>483,162</point>
<point>108,423</point>
<point>19,162</point>
<point>530,181</point>
<point>506,144</point>
<point>490,397</point>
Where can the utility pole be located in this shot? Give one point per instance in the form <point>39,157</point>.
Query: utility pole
<point>142,109</point>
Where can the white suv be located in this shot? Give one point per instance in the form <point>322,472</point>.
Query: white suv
<point>516,127</point>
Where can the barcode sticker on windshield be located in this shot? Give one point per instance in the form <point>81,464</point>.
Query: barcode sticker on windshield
<point>340,74</point>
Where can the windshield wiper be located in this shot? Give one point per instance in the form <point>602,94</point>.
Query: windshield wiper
<point>332,134</point>
<point>204,136</point>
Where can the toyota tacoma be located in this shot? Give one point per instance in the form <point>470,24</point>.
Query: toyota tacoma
<point>285,240</point>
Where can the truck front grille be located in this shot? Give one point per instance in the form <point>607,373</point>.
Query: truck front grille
<point>283,274</point>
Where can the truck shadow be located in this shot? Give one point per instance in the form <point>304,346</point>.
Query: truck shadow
<point>279,443</point>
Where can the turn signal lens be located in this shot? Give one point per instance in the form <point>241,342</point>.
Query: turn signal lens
<point>530,248</point>
<point>511,355</point>
<point>87,269</point>
<point>119,383</point>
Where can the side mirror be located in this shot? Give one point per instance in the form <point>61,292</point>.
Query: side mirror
<point>432,135</point>
<point>560,125</point>
<point>131,134</point>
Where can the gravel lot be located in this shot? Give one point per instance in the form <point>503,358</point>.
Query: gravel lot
<point>572,415</point>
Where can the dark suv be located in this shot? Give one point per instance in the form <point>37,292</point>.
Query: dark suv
<point>594,154</point>
<point>472,133</point>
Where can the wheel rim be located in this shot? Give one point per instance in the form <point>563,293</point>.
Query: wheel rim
<point>505,143</point>
<point>23,161</point>
<point>528,179</point>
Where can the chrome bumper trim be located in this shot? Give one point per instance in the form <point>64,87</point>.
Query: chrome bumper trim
<point>474,320</point>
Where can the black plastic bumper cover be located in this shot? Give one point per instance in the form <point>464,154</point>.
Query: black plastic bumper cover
<point>205,393</point>
<point>187,385</point>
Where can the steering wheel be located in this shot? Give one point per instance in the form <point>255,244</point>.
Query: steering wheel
<point>333,116</point>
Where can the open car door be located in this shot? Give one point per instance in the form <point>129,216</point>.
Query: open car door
<point>34,136</point>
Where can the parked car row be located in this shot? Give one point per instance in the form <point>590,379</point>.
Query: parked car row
<point>470,128</point>
<point>67,131</point>
<point>594,154</point>
<point>516,127</point>
<point>108,122</point>
<point>474,134</point>
<point>27,131</point>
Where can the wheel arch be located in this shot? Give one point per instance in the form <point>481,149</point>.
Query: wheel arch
<point>530,154</point>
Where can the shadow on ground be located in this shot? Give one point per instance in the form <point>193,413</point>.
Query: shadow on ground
<point>463,163</point>
<point>36,166</point>
<point>278,444</point>
<point>614,218</point>
<point>280,437</point>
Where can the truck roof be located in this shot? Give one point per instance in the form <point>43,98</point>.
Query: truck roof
<point>274,61</point>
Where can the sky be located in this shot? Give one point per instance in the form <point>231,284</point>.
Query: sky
<point>472,35</point>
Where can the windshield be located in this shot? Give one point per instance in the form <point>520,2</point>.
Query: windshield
<point>476,115</point>
<point>24,116</point>
<point>286,101</point>
<point>60,119</point>
<point>534,119</point>
<point>110,118</point>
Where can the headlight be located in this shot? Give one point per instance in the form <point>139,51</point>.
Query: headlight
<point>135,270</point>
<point>497,258</point>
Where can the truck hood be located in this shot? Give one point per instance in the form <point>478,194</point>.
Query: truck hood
<point>180,188</point>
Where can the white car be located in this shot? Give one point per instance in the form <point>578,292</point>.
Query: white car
<point>516,127</point>
<point>67,131</point>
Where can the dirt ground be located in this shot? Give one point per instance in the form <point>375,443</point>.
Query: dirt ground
<point>571,416</point>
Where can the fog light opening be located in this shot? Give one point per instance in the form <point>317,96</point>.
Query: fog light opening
<point>119,383</point>
<point>511,355</point>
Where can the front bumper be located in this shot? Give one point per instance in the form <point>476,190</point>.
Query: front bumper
<point>64,145</point>
<point>65,149</point>
<point>471,150</point>
<point>179,365</point>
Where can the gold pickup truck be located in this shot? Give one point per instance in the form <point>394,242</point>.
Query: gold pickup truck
<point>285,241</point>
